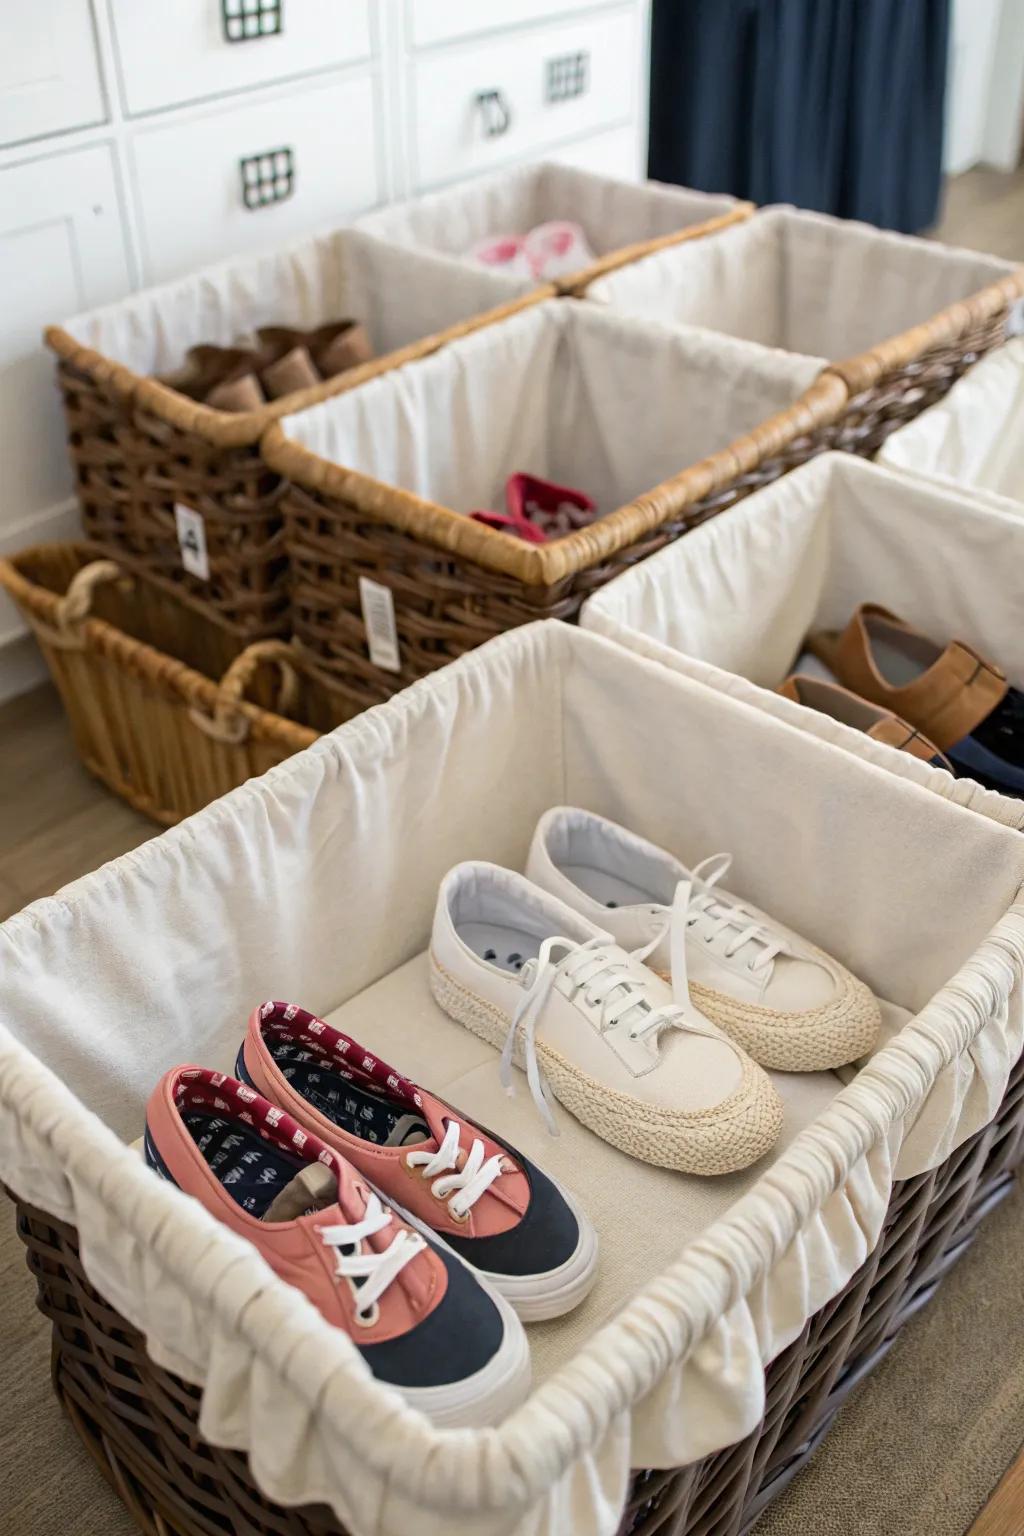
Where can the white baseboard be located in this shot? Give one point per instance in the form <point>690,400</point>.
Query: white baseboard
<point>21,666</point>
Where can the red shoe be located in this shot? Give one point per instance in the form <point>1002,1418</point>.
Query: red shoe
<point>453,1180</point>
<point>538,510</point>
<point>420,1318</point>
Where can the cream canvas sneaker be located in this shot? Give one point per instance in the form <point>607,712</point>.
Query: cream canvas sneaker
<point>787,1003</point>
<point>595,1028</point>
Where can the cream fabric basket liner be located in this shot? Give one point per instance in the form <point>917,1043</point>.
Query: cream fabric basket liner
<point>731,603</point>
<point>562,390</point>
<point>400,296</point>
<point>317,882</point>
<point>825,287</point>
<point>611,213</point>
<point>974,437</point>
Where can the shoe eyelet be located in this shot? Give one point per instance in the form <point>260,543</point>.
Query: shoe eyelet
<point>633,1035</point>
<point>455,1216</point>
<point>368,1319</point>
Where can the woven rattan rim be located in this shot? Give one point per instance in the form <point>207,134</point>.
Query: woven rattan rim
<point>240,429</point>
<point>577,282</point>
<point>547,564</point>
<point>944,329</point>
<point>44,609</point>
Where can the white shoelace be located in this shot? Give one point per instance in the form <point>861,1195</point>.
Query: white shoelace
<point>467,1184</point>
<point>375,1270</point>
<point>694,905</point>
<point>613,982</point>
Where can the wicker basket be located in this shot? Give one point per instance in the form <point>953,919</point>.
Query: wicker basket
<point>897,319</point>
<point>455,582</point>
<point>139,448</point>
<point>152,729</point>
<point>141,1424</point>
<point>622,221</point>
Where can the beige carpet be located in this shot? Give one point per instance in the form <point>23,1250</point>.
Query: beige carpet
<point>916,1452</point>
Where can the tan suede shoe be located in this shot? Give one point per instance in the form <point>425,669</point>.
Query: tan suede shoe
<point>945,694</point>
<point>842,705</point>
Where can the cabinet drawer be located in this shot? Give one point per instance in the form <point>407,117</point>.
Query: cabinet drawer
<point>172,53</point>
<point>616,153</point>
<point>49,76</point>
<point>485,105</point>
<point>436,21</point>
<point>310,159</point>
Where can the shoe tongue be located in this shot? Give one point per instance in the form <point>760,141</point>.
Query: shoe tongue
<point>311,1190</point>
<point>408,1130</point>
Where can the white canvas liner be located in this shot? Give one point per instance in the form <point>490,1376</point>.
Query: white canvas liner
<point>828,288</point>
<point>399,295</point>
<point>974,437</point>
<point>731,603</point>
<point>317,883</point>
<point>563,390</point>
<point>611,213</point>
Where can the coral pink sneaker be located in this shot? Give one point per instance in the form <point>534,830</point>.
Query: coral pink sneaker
<point>419,1317</point>
<point>454,1180</point>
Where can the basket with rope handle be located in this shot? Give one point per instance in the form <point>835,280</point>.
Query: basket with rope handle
<point>158,733</point>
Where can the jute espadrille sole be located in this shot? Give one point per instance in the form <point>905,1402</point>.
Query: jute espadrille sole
<point>814,1040</point>
<point>729,1136</point>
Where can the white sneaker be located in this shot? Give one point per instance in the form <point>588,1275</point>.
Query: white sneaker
<point>789,1004</point>
<point>594,1027</point>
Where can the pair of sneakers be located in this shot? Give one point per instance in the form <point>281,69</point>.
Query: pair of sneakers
<point>662,1059</point>
<point>425,1237</point>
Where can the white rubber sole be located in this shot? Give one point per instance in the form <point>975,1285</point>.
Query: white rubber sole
<point>491,1393</point>
<point>538,1298</point>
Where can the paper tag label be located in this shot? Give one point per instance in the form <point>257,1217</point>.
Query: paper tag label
<point>378,605</point>
<point>1015,319</point>
<point>192,541</point>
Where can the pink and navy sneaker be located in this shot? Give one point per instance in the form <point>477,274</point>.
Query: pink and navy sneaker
<point>421,1319</point>
<point>452,1179</point>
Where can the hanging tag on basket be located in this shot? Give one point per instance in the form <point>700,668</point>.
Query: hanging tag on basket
<point>1015,319</point>
<point>378,606</point>
<point>192,541</point>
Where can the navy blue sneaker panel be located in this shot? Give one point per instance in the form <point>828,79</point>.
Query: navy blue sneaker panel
<point>546,1236</point>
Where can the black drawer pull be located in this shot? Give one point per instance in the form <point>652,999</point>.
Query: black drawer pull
<point>566,76</point>
<point>267,178</point>
<point>244,21</point>
<point>495,112</point>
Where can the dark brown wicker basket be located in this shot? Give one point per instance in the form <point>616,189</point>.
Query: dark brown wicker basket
<point>141,1424</point>
<point>138,448</point>
<point>456,583</point>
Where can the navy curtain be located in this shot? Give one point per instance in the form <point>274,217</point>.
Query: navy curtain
<point>835,105</point>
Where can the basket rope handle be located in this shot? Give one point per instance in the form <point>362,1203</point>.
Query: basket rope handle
<point>227,723</point>
<point>75,606</point>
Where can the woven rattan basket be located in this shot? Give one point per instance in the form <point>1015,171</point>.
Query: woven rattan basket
<point>139,449</point>
<point>141,1424</point>
<point>155,731</point>
<point>455,582</point>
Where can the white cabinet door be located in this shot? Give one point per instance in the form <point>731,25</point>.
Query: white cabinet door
<point>492,102</point>
<point>435,21</point>
<point>173,51</point>
<point>312,156</point>
<point>49,75</point>
<point>616,153</point>
<point>61,250</point>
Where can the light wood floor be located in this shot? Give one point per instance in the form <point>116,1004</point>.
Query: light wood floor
<point>56,824</point>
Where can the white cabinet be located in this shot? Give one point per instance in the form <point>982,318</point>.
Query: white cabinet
<point>189,49</point>
<point>485,105</point>
<point>436,21</point>
<point>61,250</point>
<point>49,73</point>
<point>255,175</point>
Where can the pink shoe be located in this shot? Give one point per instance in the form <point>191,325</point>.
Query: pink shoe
<point>557,249</point>
<point>453,1180</point>
<point>420,1318</point>
<point>507,253</point>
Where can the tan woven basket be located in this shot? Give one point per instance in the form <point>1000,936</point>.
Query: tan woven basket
<point>155,731</point>
<point>141,1424</point>
<point>456,582</point>
<point>139,447</point>
<point>576,282</point>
